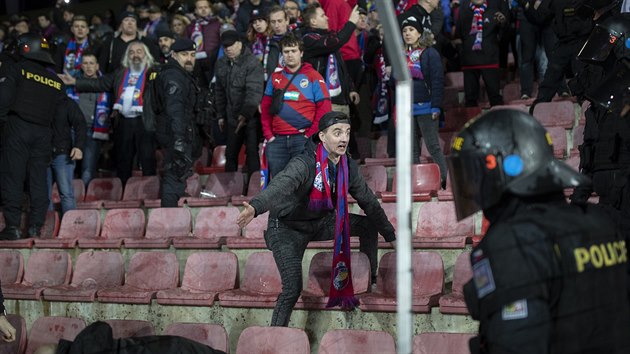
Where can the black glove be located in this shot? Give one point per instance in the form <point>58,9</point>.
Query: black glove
<point>182,163</point>
<point>580,195</point>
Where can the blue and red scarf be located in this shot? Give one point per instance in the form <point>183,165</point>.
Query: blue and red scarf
<point>477,24</point>
<point>264,168</point>
<point>72,59</point>
<point>332,76</point>
<point>341,289</point>
<point>136,104</point>
<point>381,97</point>
<point>259,45</point>
<point>101,123</point>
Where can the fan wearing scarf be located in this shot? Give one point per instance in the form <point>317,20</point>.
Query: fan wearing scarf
<point>308,201</point>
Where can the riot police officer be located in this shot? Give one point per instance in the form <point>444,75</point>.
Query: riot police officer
<point>174,94</point>
<point>548,277</point>
<point>28,95</point>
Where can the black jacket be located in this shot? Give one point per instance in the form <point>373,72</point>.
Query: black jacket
<point>287,195</point>
<point>68,117</point>
<point>492,31</point>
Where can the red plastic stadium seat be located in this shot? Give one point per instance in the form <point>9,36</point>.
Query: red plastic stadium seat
<point>119,224</point>
<point>76,224</point>
<point>559,139</point>
<point>212,335</point>
<point>380,156</point>
<point>49,330</point>
<point>44,269</point>
<point>446,195</point>
<point>12,269</point>
<point>315,296</point>
<point>212,227</point>
<point>454,302</point>
<point>441,343</point>
<point>277,340</point>
<point>454,79</point>
<point>164,225</point>
<point>356,341</point>
<point>578,137</point>
<point>456,117</point>
<point>517,106</point>
<point>19,344</point>
<point>205,276</point>
<point>100,190</point>
<point>148,273</point>
<point>50,228</point>
<point>93,271</point>
<point>555,114</point>
<point>260,285</point>
<point>137,189</point>
<point>130,328</point>
<point>253,188</point>
<point>438,227</point>
<point>425,180</point>
<point>428,282</point>
<point>253,234</point>
<point>222,186</point>
<point>217,164</point>
<point>78,189</point>
<point>375,177</point>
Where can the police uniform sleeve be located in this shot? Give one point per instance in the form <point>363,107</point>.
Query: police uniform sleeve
<point>77,122</point>
<point>9,77</point>
<point>176,93</point>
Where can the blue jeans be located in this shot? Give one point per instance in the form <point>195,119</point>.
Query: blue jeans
<point>62,170</point>
<point>283,149</point>
<point>91,154</point>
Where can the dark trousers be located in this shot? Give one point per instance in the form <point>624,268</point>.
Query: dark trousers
<point>26,153</point>
<point>491,78</point>
<point>172,186</point>
<point>288,246</point>
<point>247,135</point>
<point>562,60</point>
<point>427,128</point>
<point>130,138</point>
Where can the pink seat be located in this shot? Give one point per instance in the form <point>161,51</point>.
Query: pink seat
<point>12,269</point>
<point>164,225</point>
<point>148,273</point>
<point>375,177</point>
<point>428,282</point>
<point>441,343</point>
<point>212,227</point>
<point>438,227</point>
<point>253,234</point>
<point>454,79</point>
<point>99,190</point>
<point>356,341</point>
<point>49,330</point>
<point>222,185</point>
<point>130,328</point>
<point>446,195</point>
<point>217,164</point>
<point>19,344</point>
<point>425,180</point>
<point>451,98</point>
<point>277,340</point>
<point>205,276</point>
<point>119,224</point>
<point>137,189</point>
<point>559,139</point>
<point>381,158</point>
<point>260,285</point>
<point>315,296</point>
<point>44,269</point>
<point>76,224</point>
<point>212,335</point>
<point>578,137</point>
<point>555,114</point>
<point>454,302</point>
<point>456,117</point>
<point>78,189</point>
<point>253,188</point>
<point>50,229</point>
<point>94,270</point>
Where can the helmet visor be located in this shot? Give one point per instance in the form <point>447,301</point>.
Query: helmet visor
<point>613,93</point>
<point>598,46</point>
<point>466,172</point>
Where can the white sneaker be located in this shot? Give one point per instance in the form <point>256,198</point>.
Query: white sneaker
<point>525,97</point>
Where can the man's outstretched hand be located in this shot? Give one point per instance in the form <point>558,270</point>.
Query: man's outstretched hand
<point>246,215</point>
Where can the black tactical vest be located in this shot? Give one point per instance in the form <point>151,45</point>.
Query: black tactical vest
<point>37,93</point>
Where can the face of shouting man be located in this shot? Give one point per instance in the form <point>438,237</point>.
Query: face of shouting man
<point>335,140</point>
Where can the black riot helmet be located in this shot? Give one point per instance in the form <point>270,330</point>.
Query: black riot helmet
<point>613,35</point>
<point>613,92</point>
<point>35,47</point>
<point>504,151</point>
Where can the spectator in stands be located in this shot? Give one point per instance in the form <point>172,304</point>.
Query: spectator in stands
<point>47,28</point>
<point>156,22</point>
<point>239,89</point>
<point>258,34</point>
<point>69,56</point>
<point>166,38</point>
<point>98,28</point>
<point>305,206</point>
<point>62,16</point>
<point>116,47</point>
<point>205,32</point>
<point>479,26</point>
<point>179,23</point>
<point>6,329</point>
<point>305,100</point>
<point>68,139</point>
<point>292,8</point>
<point>126,85</point>
<point>425,65</point>
<point>245,10</point>
<point>279,23</point>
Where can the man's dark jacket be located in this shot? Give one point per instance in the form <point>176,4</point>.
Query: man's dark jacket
<point>68,118</point>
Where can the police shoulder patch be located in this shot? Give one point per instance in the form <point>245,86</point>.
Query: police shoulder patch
<point>515,311</point>
<point>482,277</point>
<point>173,88</point>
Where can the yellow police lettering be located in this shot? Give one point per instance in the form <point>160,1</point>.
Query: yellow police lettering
<point>548,136</point>
<point>42,80</point>
<point>581,258</point>
<point>596,256</point>
<point>600,255</point>
<point>610,257</point>
<point>458,142</point>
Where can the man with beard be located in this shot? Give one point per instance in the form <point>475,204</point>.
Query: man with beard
<point>166,39</point>
<point>127,85</point>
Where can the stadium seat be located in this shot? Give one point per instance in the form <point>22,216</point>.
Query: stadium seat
<point>381,158</point>
<point>217,164</point>
<point>76,224</point>
<point>130,328</point>
<point>119,224</point>
<point>356,341</point>
<point>441,343</point>
<point>253,234</point>
<point>454,303</point>
<point>260,285</point>
<point>43,269</point>
<point>253,188</point>
<point>212,335</point>
<point>517,106</point>
<point>137,189</point>
<point>19,344</point>
<point>446,195</point>
<point>456,117</point>
<point>578,137</point>
<point>277,340</point>
<point>438,227</point>
<point>99,190</point>
<point>428,283</point>
<point>220,186</point>
<point>164,224</point>
<point>12,269</point>
<point>425,180</point>
<point>212,226</point>
<point>206,275</point>
<point>78,189</point>
<point>559,139</point>
<point>49,330</point>
<point>454,79</point>
<point>93,270</point>
<point>375,177</point>
<point>555,114</point>
<point>148,273</point>
<point>451,98</point>
<point>315,296</point>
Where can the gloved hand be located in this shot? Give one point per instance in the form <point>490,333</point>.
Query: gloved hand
<point>182,163</point>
